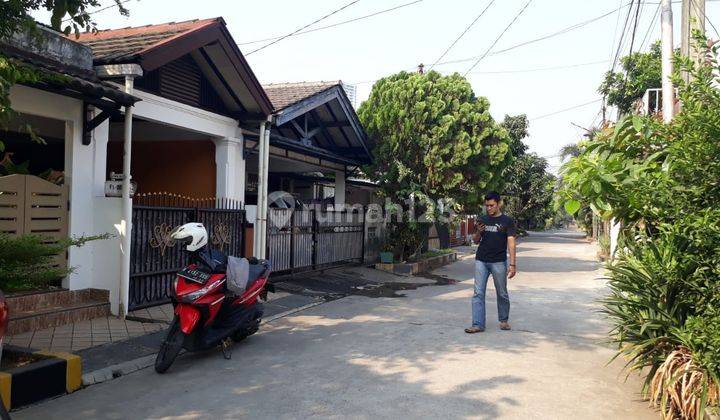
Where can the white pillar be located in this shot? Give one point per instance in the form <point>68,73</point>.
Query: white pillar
<point>230,168</point>
<point>264,192</point>
<point>126,229</point>
<point>614,236</point>
<point>339,190</point>
<point>100,137</point>
<point>79,176</point>
<point>259,229</point>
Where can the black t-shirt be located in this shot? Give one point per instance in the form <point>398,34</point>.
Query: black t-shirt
<point>493,241</point>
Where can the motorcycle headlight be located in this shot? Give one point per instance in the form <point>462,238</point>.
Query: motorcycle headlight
<point>190,297</point>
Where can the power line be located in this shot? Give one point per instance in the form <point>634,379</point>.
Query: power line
<point>499,37</point>
<point>304,27</point>
<point>653,21</point>
<point>336,24</point>
<point>116,4</point>
<point>560,32</point>
<point>462,34</point>
<point>565,110</point>
<point>524,70</point>
<point>603,107</point>
<point>637,21</point>
<point>542,38</point>
<point>622,36</point>
<point>617,25</point>
<point>707,19</point>
<point>567,66</point>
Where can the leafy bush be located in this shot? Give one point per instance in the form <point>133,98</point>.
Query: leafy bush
<point>701,334</point>
<point>661,182</point>
<point>27,262</point>
<point>430,254</point>
<point>404,239</point>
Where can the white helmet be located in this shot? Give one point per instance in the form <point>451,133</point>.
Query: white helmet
<point>195,235</point>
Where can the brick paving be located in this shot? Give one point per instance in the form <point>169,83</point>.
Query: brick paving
<point>85,334</point>
<point>81,335</point>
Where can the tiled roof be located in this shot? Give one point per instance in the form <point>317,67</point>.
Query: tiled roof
<point>116,45</point>
<point>69,77</point>
<point>282,95</point>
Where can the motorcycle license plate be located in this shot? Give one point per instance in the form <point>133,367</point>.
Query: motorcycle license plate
<point>194,275</point>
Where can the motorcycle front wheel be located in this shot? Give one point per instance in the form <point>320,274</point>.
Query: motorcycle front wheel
<point>170,347</point>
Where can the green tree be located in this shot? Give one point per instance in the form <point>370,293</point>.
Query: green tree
<point>431,135</point>
<point>517,129</point>
<point>432,139</point>
<point>640,71</point>
<point>529,188</point>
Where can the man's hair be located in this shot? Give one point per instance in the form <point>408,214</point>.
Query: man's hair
<point>492,195</point>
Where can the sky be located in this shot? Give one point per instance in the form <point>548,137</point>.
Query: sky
<point>524,80</point>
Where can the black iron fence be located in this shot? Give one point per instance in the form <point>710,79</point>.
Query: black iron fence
<point>311,239</point>
<point>155,258</point>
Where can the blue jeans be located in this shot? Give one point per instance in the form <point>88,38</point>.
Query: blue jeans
<point>499,273</point>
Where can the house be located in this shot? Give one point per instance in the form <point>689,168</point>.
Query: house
<point>316,142</point>
<point>62,107</point>
<point>178,106</point>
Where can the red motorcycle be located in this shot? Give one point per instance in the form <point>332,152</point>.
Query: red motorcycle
<point>215,298</point>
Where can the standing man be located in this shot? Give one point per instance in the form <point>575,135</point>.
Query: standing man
<point>496,234</point>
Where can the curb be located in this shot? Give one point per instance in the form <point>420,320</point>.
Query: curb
<point>58,374</point>
<point>291,311</point>
<point>115,371</point>
<point>118,370</point>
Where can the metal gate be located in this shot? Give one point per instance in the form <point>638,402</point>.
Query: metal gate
<point>311,239</point>
<point>154,257</point>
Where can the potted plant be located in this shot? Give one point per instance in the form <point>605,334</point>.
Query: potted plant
<point>386,254</point>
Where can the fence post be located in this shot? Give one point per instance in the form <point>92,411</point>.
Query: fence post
<point>292,239</point>
<point>364,234</point>
<point>314,237</point>
<point>242,233</point>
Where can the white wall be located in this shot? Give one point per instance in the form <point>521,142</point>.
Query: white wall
<point>106,253</point>
<point>79,172</point>
<point>166,111</point>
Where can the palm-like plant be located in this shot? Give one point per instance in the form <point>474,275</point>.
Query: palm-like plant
<point>570,150</point>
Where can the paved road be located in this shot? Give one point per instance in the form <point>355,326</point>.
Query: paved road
<point>363,357</point>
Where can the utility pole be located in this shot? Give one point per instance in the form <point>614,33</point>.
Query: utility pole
<point>668,90</point>
<point>693,17</point>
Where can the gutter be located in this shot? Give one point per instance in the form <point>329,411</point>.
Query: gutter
<point>129,72</point>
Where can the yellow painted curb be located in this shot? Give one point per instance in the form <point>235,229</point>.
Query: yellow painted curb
<point>73,371</point>
<point>5,387</point>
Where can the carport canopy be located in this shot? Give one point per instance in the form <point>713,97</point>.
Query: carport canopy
<point>317,119</point>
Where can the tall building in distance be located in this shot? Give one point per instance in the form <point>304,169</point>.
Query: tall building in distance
<point>351,92</point>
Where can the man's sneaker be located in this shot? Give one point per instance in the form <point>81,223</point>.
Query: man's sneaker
<point>473,330</point>
<point>505,326</point>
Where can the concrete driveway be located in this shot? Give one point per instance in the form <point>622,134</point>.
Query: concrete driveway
<point>405,357</point>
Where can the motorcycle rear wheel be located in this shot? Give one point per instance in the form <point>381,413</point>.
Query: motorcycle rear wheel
<point>170,347</point>
<point>247,332</point>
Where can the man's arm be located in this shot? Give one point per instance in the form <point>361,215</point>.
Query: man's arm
<point>511,247</point>
<point>479,229</point>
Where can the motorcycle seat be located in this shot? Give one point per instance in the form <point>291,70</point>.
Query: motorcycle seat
<point>214,260</point>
